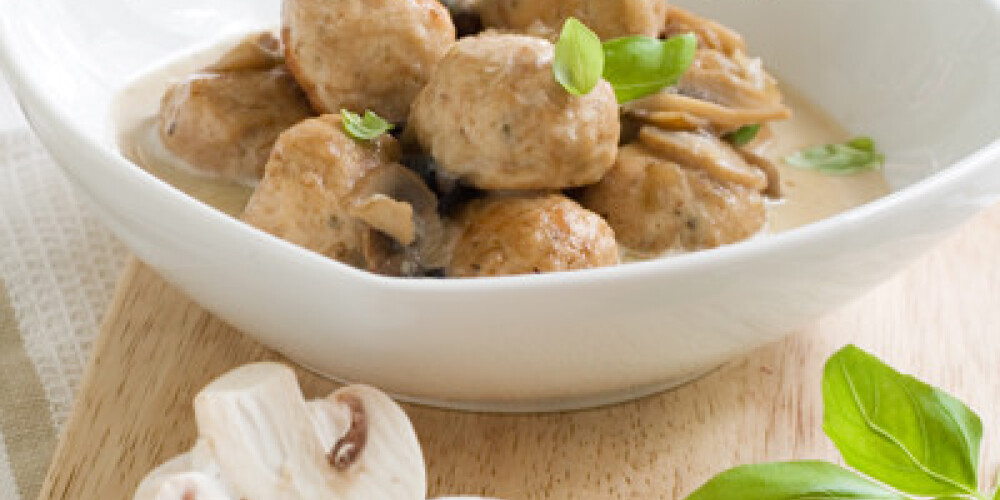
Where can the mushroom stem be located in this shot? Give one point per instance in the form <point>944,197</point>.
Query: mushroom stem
<point>391,217</point>
<point>256,423</point>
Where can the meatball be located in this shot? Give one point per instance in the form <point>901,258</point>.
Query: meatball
<point>307,194</point>
<point>656,205</point>
<point>508,235</point>
<point>365,54</point>
<point>608,18</point>
<point>494,116</point>
<point>223,122</point>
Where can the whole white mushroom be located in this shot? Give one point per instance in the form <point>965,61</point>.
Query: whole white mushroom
<point>259,439</point>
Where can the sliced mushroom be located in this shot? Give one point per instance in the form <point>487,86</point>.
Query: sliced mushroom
<point>734,81</point>
<point>194,475</point>
<point>724,87</point>
<point>378,444</point>
<point>773,189</point>
<point>710,34</point>
<point>723,119</point>
<point>407,235</point>
<point>671,120</point>
<point>705,151</point>
<point>260,440</point>
<point>392,217</point>
<point>188,486</point>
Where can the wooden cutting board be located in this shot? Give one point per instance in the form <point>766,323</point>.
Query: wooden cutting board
<point>940,320</point>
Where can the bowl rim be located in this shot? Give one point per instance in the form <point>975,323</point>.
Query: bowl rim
<point>20,78</point>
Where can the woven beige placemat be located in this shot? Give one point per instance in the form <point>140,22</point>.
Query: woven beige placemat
<point>25,420</point>
<point>58,266</point>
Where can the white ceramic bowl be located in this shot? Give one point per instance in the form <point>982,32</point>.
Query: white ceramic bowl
<point>922,76</point>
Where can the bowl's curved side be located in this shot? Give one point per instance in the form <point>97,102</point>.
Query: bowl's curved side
<point>539,342</point>
<point>525,344</point>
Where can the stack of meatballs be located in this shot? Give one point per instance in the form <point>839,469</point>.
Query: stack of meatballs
<point>492,169</point>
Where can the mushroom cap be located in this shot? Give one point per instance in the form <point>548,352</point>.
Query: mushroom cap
<point>528,234</point>
<point>365,55</point>
<point>391,463</point>
<point>493,115</point>
<point>406,235</point>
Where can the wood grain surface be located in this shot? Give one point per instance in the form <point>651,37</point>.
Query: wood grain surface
<point>939,319</point>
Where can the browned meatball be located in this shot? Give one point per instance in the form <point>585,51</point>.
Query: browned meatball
<point>494,115</point>
<point>531,234</point>
<point>608,18</point>
<point>224,121</point>
<point>365,54</point>
<point>656,205</point>
<point>307,194</point>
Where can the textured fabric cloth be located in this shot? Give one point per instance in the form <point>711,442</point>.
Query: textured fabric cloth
<point>58,267</point>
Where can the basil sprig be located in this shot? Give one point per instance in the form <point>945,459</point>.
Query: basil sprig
<point>638,66</point>
<point>744,135</point>
<point>913,439</point>
<point>854,156</point>
<point>899,430</point>
<point>792,481</point>
<point>365,128</point>
<point>579,60</point>
<point>635,66</point>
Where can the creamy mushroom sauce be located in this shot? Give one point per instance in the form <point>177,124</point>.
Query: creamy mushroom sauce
<point>807,196</point>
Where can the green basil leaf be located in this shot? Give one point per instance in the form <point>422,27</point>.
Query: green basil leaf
<point>743,136</point>
<point>579,60</point>
<point>638,66</point>
<point>996,488</point>
<point>792,481</point>
<point>899,430</point>
<point>857,155</point>
<point>366,128</point>
<point>863,144</point>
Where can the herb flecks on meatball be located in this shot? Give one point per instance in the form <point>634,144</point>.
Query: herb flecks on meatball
<point>308,191</point>
<point>607,18</point>
<point>493,116</point>
<point>224,119</point>
<point>656,204</point>
<point>530,234</point>
<point>365,55</point>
